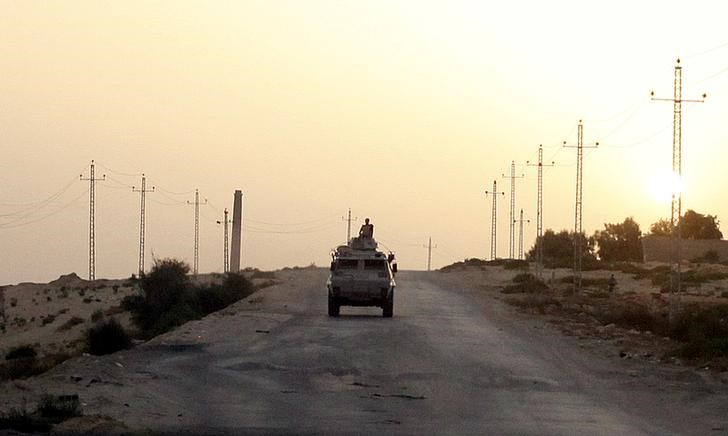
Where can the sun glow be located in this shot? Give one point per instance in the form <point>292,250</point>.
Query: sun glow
<point>664,185</point>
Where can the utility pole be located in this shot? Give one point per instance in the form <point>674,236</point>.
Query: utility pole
<point>578,229</point>
<point>513,177</point>
<point>520,235</point>
<point>225,251</point>
<point>142,211</point>
<point>348,220</point>
<point>494,219</point>
<point>676,203</point>
<point>92,220</point>
<point>539,211</point>
<point>429,247</point>
<point>196,262</point>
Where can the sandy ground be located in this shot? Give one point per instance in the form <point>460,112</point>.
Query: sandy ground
<point>39,314</point>
<point>454,360</point>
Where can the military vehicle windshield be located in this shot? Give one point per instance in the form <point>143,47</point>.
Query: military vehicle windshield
<point>347,264</point>
<point>375,264</point>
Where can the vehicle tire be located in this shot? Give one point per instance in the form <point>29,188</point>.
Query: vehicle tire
<point>388,309</point>
<point>333,307</point>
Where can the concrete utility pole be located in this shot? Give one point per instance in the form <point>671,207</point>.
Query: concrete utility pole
<point>142,211</point>
<point>92,220</point>
<point>196,263</point>
<point>348,220</point>
<point>578,230</point>
<point>676,203</point>
<point>225,258</point>
<point>520,235</point>
<point>236,245</point>
<point>429,247</point>
<point>513,177</point>
<point>539,211</point>
<point>494,220</point>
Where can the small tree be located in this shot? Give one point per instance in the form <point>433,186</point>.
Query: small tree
<point>698,226</point>
<point>661,228</point>
<point>166,285</point>
<point>693,226</point>
<point>620,242</point>
<point>558,249</point>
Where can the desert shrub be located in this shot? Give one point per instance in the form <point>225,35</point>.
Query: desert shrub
<point>169,298</point>
<point>703,349</point>
<point>21,352</point>
<point>88,300</point>
<point>23,362</point>
<point>709,256</point>
<point>107,337</point>
<point>525,282</point>
<point>23,421</point>
<point>258,274</point>
<point>695,323</point>
<point>58,408</point>
<point>632,316</point>
<point>74,321</point>
<point>13,302</point>
<point>20,321</point>
<point>538,302</point>
<point>82,292</point>
<point>97,315</point>
<point>515,264</point>
<point>478,263</point>
<point>48,319</point>
<point>52,409</point>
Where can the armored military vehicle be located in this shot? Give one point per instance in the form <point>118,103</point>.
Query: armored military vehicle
<point>361,275</point>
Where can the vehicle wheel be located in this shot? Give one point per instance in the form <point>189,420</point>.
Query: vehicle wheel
<point>333,307</point>
<point>388,309</point>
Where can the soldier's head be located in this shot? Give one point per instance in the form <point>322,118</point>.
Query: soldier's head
<point>366,221</point>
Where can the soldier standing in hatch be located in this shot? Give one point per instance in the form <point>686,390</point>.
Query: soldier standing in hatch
<point>367,230</point>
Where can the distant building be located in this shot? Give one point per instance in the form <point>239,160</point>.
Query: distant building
<point>659,248</point>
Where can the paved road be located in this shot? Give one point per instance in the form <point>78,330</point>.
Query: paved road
<point>445,364</point>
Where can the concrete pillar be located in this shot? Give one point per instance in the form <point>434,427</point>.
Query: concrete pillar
<point>237,231</point>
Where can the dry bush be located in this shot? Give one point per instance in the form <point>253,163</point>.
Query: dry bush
<point>74,321</point>
<point>538,302</point>
<point>525,283</point>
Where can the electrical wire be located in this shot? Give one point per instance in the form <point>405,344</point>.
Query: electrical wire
<point>41,203</point>
<point>12,225</point>
<point>302,223</point>
<point>117,172</point>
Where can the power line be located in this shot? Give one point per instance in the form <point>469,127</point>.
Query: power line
<point>676,201</point>
<point>225,250</point>
<point>513,177</point>
<point>348,220</point>
<point>429,247</point>
<point>539,211</point>
<point>9,225</point>
<point>92,221</point>
<point>578,230</point>
<point>494,219</point>
<point>196,262</point>
<point>520,235</point>
<point>142,211</point>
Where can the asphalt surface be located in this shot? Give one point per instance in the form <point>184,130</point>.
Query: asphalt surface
<point>446,363</point>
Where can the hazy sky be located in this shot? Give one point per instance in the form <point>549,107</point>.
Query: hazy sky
<point>404,111</point>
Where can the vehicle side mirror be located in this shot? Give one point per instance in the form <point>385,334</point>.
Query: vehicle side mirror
<point>394,268</point>
<point>333,266</point>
